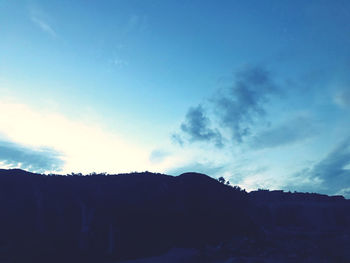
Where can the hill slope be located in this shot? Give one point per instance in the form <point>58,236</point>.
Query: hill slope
<point>123,217</point>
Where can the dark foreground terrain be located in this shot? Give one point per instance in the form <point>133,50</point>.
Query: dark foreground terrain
<point>145,217</point>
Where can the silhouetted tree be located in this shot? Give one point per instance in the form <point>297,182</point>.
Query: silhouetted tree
<point>221,180</point>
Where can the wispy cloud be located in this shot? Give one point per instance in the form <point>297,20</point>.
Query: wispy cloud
<point>158,156</point>
<point>244,101</point>
<point>295,130</point>
<point>177,139</point>
<point>234,110</point>
<point>342,98</point>
<point>119,63</point>
<point>44,26</point>
<point>330,175</point>
<point>334,169</point>
<point>197,127</point>
<point>136,22</point>
<point>42,20</point>
<point>13,155</point>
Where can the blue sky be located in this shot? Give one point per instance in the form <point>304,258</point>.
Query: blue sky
<point>255,91</point>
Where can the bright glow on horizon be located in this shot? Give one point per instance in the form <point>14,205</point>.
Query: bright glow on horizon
<point>85,148</point>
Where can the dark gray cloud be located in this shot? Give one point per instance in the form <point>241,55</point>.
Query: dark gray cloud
<point>197,127</point>
<point>15,155</point>
<point>238,108</point>
<point>331,175</point>
<point>235,110</point>
<point>295,130</point>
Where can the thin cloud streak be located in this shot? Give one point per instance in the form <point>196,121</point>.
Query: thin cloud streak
<point>37,18</point>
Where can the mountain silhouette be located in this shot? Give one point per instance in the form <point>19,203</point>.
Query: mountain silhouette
<point>148,217</point>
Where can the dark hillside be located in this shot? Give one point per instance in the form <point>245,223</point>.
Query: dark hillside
<point>161,218</point>
<point>101,218</point>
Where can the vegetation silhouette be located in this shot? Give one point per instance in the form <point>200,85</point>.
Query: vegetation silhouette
<point>111,218</point>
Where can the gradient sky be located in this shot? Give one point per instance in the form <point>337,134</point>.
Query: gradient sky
<point>255,91</point>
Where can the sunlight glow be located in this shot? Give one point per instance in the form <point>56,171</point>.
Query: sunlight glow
<point>85,148</point>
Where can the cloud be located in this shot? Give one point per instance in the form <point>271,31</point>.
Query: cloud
<point>158,156</point>
<point>292,131</point>
<point>41,19</point>
<point>44,26</point>
<point>136,22</point>
<point>177,139</point>
<point>330,175</point>
<point>120,63</point>
<point>196,126</point>
<point>334,170</point>
<point>342,98</point>
<point>344,192</point>
<point>238,108</point>
<point>13,155</point>
<point>235,110</point>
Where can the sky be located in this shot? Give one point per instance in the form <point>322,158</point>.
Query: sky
<point>255,91</point>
